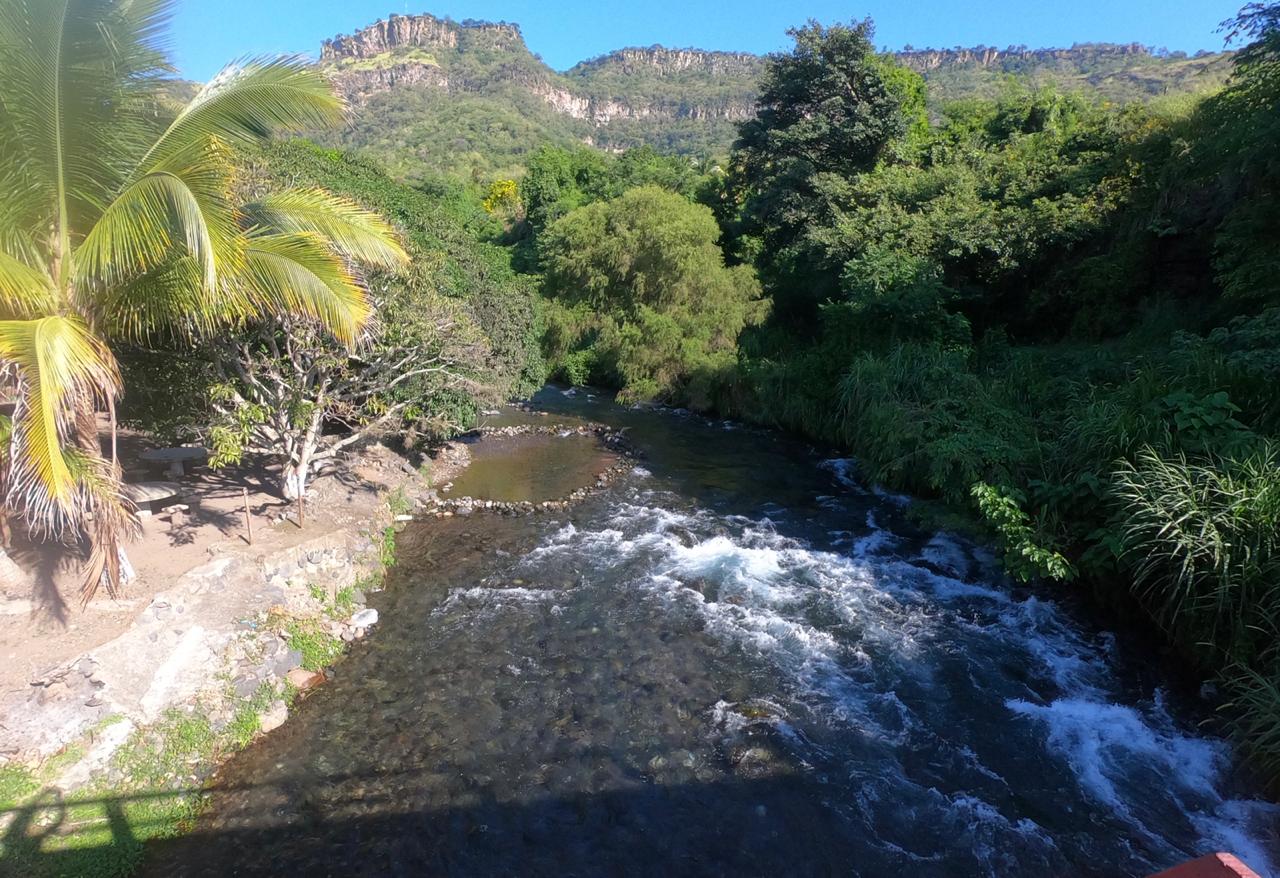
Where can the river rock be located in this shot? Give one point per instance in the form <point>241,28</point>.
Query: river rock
<point>273,717</point>
<point>365,618</point>
<point>754,762</point>
<point>246,684</point>
<point>302,679</point>
<point>282,664</point>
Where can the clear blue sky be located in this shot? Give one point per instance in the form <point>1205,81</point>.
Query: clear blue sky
<point>208,33</point>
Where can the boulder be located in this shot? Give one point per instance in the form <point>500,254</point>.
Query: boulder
<point>273,717</point>
<point>366,618</point>
<point>302,679</point>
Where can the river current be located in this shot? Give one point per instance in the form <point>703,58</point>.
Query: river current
<point>738,660</point>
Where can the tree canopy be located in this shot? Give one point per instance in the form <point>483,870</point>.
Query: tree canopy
<point>665,310</point>
<point>829,109</point>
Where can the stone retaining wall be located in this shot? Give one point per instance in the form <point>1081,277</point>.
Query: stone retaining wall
<point>205,639</point>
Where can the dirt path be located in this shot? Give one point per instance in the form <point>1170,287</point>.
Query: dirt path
<point>41,623</point>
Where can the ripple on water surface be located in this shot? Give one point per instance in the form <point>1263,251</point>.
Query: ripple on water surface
<point>650,686</point>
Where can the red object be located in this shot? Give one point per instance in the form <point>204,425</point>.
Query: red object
<point>1212,866</point>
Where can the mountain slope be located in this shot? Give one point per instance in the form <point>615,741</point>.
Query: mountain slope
<point>433,95</point>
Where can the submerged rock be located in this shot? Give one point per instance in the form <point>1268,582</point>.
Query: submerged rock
<point>754,762</point>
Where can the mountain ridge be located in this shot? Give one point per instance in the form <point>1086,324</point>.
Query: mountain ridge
<point>686,100</point>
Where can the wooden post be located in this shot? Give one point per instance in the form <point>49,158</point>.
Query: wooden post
<point>248,519</point>
<point>300,507</point>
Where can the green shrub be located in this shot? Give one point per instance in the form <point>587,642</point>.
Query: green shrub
<point>1204,542</point>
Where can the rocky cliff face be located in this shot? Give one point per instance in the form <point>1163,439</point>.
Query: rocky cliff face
<point>382,57</point>
<point>926,60</point>
<point>504,98</point>
<point>358,85</point>
<point>410,31</point>
<point>665,62</point>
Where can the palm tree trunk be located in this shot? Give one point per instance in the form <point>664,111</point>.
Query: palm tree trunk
<point>113,517</point>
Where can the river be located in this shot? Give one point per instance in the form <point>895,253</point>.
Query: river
<point>737,660</point>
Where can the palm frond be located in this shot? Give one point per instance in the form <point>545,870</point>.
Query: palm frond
<point>358,234</point>
<point>25,292</point>
<point>246,103</point>
<point>157,214</point>
<point>59,364</point>
<point>171,299</point>
<point>300,274</point>
<point>69,70</point>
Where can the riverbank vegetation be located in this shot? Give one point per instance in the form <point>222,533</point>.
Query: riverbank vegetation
<point>1055,313</point>
<point>452,330</point>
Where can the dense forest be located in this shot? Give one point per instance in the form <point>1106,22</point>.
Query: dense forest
<point>1053,315</point>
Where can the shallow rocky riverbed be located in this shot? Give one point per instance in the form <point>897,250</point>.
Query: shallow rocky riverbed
<point>733,659</point>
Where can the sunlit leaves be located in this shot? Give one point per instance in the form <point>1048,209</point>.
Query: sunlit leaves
<point>356,233</point>
<point>24,291</point>
<point>60,365</point>
<point>119,222</point>
<point>244,104</point>
<point>301,274</point>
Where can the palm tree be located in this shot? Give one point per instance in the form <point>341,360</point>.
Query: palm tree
<point>119,221</point>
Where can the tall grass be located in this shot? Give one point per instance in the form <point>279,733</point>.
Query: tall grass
<point>1254,709</point>
<point>1203,539</point>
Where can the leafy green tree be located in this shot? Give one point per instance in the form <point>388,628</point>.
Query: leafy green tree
<point>558,180</point>
<point>448,235</point>
<point>1260,23</point>
<point>664,309</point>
<point>119,222</point>
<point>828,110</point>
<point>287,390</point>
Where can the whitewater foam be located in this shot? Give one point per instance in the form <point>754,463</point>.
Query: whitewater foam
<point>848,631</point>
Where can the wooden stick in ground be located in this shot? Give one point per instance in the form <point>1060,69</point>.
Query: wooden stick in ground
<point>248,519</point>
<point>300,519</point>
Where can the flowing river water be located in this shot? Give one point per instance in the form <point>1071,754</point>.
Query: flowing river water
<point>735,661</point>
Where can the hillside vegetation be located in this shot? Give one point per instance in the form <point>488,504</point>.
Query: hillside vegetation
<point>433,95</point>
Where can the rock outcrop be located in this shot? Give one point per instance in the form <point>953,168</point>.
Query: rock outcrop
<point>410,31</point>
<point>359,84</point>
<point>678,100</point>
<point>421,50</point>
<point>926,60</point>
<point>665,62</point>
<point>417,50</point>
